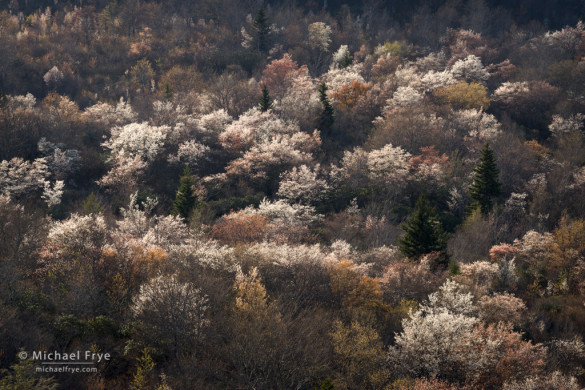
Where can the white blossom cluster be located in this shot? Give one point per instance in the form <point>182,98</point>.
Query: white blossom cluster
<point>52,194</point>
<point>61,162</point>
<point>19,177</point>
<point>78,234</point>
<point>404,97</point>
<point>53,76</point>
<point>119,115</point>
<point>275,152</point>
<point>302,185</point>
<point>320,36</point>
<point>137,226</point>
<point>25,102</point>
<point>470,69</point>
<point>569,38</point>
<point>338,56</point>
<point>336,78</point>
<point>300,101</point>
<point>561,126</point>
<point>254,126</point>
<point>137,139</point>
<point>388,165</point>
<point>177,309</point>
<point>446,333</point>
<point>476,124</point>
<point>507,92</point>
<point>191,153</point>
<point>435,79</point>
<point>281,213</point>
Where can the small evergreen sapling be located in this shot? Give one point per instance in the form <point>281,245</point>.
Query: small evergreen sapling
<point>186,198</point>
<point>265,100</point>
<point>327,118</point>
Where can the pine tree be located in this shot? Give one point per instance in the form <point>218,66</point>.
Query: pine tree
<point>262,30</point>
<point>423,231</point>
<point>485,186</point>
<point>326,120</point>
<point>168,92</point>
<point>185,199</point>
<point>265,101</point>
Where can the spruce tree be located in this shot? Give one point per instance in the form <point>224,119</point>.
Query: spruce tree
<point>262,30</point>
<point>185,199</point>
<point>423,231</point>
<point>485,186</point>
<point>265,101</point>
<point>326,120</point>
<point>168,92</point>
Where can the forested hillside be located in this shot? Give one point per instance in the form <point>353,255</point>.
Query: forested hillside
<point>293,195</point>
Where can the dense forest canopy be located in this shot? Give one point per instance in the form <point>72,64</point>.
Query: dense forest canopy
<point>305,195</point>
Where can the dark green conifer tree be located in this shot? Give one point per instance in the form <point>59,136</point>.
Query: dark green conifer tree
<point>186,198</point>
<point>168,92</point>
<point>261,31</point>
<point>485,186</point>
<point>327,118</point>
<point>265,101</point>
<point>423,231</point>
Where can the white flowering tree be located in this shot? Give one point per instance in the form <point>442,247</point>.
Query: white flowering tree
<point>61,162</point>
<point>52,193</point>
<point>124,175</point>
<point>564,126</point>
<point>302,185</point>
<point>319,34</point>
<point>138,227</point>
<point>191,153</point>
<point>137,139</point>
<point>476,127</point>
<point>284,222</point>
<point>53,77</point>
<point>275,153</point>
<point>336,78</point>
<point>173,312</point>
<point>435,79</point>
<point>470,69</point>
<point>389,165</point>
<point>352,171</point>
<point>17,176</point>
<point>405,97</point>
<point>109,115</point>
<point>252,127</point>
<point>445,339</point>
<point>300,101</point>
<point>70,263</point>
